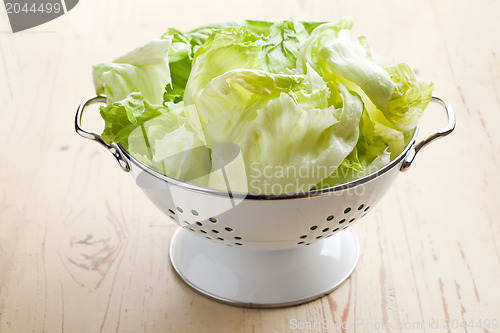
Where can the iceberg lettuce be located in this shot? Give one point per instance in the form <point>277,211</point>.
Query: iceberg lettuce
<point>303,105</point>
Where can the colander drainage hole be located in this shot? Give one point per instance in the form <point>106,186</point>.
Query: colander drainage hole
<point>203,231</point>
<point>179,209</point>
<point>228,229</point>
<point>238,244</point>
<point>347,210</point>
<point>238,238</point>
<point>367,208</point>
<point>352,219</point>
<point>303,237</point>
<point>360,207</point>
<point>329,218</point>
<point>300,243</point>
<point>221,239</point>
<point>194,212</point>
<point>215,231</point>
<point>336,229</point>
<point>314,227</point>
<point>171,211</point>
<point>341,221</point>
<point>319,237</point>
<point>325,230</point>
<point>199,223</point>
<point>213,220</point>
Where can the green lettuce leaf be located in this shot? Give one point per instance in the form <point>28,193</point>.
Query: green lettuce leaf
<point>122,117</point>
<point>371,153</point>
<point>279,121</point>
<point>180,57</point>
<point>224,50</point>
<point>171,146</point>
<point>144,69</point>
<point>228,105</point>
<point>409,98</point>
<point>341,56</point>
<point>289,148</point>
<point>283,45</point>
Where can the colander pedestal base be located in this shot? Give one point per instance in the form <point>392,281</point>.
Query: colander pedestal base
<point>258,278</point>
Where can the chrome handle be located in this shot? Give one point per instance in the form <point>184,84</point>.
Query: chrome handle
<point>444,132</point>
<point>112,148</point>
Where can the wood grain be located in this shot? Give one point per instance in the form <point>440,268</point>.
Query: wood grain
<point>83,250</point>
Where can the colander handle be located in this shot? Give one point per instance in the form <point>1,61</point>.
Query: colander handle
<point>444,132</point>
<point>113,148</point>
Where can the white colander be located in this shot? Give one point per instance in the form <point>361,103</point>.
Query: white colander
<point>264,250</point>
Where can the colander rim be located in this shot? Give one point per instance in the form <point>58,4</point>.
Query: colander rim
<point>296,195</point>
